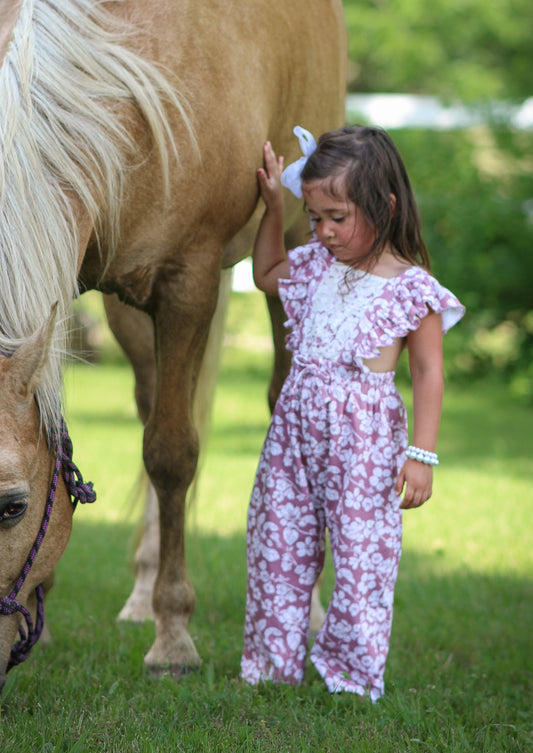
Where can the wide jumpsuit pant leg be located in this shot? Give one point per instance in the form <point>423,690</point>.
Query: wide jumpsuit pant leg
<point>331,458</point>
<point>285,554</point>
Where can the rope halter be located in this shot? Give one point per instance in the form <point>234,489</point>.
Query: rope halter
<point>79,491</point>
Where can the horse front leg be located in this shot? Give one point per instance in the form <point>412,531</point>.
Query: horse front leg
<point>182,318</point>
<point>134,331</point>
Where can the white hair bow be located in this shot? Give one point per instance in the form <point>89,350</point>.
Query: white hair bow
<point>291,176</point>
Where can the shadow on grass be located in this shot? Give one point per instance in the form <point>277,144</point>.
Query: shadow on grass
<point>459,667</point>
<point>463,623</point>
<point>448,628</point>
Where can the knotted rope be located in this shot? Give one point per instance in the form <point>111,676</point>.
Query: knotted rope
<point>79,491</point>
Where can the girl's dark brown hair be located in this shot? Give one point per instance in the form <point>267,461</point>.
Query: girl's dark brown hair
<point>370,169</point>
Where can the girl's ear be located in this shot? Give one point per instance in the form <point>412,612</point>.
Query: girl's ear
<point>393,203</point>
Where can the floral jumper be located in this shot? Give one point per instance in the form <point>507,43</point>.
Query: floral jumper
<point>331,458</point>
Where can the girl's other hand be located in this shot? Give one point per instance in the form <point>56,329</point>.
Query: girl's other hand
<point>415,480</point>
<point>270,177</point>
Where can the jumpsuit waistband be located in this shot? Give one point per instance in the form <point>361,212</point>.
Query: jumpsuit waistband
<point>333,371</point>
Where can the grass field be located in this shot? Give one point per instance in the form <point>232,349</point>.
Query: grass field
<point>460,669</point>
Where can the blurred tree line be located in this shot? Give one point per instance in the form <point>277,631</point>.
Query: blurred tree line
<point>461,49</point>
<point>474,186</point>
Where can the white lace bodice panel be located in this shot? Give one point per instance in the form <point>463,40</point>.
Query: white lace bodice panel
<point>340,299</point>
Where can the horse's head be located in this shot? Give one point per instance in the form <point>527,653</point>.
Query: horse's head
<point>26,469</point>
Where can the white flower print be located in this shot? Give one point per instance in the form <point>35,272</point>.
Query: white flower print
<point>331,457</point>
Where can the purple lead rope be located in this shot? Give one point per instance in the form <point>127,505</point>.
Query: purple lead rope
<point>79,491</point>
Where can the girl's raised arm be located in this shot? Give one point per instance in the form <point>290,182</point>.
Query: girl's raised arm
<point>269,258</point>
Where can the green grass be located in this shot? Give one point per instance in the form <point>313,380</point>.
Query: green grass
<point>460,669</point>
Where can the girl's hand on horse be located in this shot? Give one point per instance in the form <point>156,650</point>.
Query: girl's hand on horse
<point>416,480</point>
<point>270,178</point>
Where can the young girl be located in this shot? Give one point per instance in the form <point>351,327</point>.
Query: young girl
<point>336,452</point>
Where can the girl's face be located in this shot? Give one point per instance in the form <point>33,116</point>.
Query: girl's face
<point>339,225</point>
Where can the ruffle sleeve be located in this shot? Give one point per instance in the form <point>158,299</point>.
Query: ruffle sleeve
<point>307,264</point>
<point>401,306</point>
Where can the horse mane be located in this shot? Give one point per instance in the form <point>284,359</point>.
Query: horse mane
<point>63,84</point>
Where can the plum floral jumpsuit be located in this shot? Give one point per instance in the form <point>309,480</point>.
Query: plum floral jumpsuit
<point>333,451</point>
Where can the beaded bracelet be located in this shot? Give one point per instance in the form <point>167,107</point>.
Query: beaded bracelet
<point>423,456</point>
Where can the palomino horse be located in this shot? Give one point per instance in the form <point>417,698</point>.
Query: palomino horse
<point>130,136</point>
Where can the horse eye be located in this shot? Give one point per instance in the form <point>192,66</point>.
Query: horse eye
<point>11,512</point>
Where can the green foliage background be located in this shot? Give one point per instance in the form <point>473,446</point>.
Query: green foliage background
<point>475,186</point>
<point>458,49</point>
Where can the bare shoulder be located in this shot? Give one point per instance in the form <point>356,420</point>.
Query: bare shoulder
<point>390,266</point>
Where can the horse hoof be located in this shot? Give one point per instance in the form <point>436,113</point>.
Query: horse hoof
<point>172,658</point>
<point>174,671</point>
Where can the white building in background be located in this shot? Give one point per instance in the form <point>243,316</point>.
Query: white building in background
<point>413,111</point>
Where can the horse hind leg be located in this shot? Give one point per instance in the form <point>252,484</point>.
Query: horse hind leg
<point>138,607</point>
